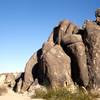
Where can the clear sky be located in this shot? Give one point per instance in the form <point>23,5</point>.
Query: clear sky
<point>26,24</point>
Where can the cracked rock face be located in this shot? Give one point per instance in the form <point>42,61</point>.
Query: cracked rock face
<point>58,67</point>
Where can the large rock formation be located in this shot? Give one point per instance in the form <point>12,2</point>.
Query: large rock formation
<point>56,65</point>
<point>92,39</point>
<point>70,56</point>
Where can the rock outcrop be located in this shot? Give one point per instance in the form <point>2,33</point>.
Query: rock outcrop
<point>70,56</point>
<point>92,40</point>
<point>8,79</point>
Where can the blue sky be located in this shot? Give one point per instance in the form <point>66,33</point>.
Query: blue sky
<point>26,24</point>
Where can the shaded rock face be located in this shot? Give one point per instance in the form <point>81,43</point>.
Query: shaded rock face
<point>32,70</point>
<point>18,82</point>
<point>79,63</point>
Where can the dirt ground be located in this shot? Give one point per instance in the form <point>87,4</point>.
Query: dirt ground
<point>15,96</point>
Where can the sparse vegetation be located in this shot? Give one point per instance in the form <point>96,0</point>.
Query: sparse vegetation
<point>63,94</point>
<point>3,90</point>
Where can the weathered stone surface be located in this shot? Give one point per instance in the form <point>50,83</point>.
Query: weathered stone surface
<point>10,80</point>
<point>74,47</point>
<point>92,39</point>
<point>32,70</point>
<point>63,28</point>
<point>28,77</point>
<point>58,67</point>
<point>70,39</point>
<point>79,63</point>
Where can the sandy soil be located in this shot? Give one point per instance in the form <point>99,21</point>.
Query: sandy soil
<point>15,96</point>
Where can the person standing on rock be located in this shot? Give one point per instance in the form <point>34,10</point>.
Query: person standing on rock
<point>65,34</point>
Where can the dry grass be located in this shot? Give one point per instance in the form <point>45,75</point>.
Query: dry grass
<point>63,94</point>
